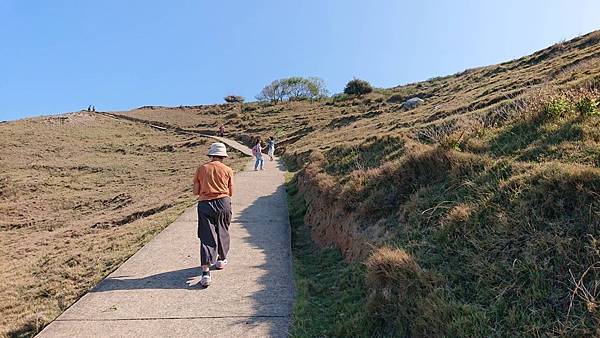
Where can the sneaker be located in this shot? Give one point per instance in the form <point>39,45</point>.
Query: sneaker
<point>206,280</point>
<point>220,265</point>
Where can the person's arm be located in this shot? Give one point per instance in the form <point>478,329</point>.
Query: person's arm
<point>196,183</point>
<point>230,184</point>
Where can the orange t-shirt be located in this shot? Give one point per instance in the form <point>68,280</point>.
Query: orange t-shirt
<point>213,180</point>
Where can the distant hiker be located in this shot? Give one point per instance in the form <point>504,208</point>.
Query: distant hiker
<point>89,108</point>
<point>271,147</point>
<point>257,153</point>
<point>93,108</point>
<point>222,130</point>
<point>213,184</point>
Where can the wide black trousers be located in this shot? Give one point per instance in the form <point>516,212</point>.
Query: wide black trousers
<point>214,218</point>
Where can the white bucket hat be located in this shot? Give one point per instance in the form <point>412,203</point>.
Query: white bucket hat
<point>217,149</point>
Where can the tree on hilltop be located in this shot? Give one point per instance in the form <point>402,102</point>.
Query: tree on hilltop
<point>273,92</point>
<point>293,89</point>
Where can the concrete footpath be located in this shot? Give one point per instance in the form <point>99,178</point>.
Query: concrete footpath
<point>155,293</point>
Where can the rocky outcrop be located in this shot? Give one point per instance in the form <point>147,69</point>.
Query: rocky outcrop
<point>413,103</point>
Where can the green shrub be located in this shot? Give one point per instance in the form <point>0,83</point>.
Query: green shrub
<point>233,99</point>
<point>358,87</point>
<point>557,108</point>
<point>587,106</point>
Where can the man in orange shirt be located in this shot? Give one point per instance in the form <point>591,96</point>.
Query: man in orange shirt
<point>213,184</point>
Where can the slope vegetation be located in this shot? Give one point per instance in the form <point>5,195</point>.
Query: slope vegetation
<point>79,194</point>
<point>476,213</point>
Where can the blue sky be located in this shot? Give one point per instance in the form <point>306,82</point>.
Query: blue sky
<point>63,55</point>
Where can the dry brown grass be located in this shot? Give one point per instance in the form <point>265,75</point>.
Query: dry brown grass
<point>458,214</point>
<point>79,194</point>
<point>402,299</point>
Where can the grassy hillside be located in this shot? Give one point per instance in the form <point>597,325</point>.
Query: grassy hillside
<point>79,194</point>
<point>475,214</point>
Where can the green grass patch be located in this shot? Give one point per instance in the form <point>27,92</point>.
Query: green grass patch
<point>330,292</point>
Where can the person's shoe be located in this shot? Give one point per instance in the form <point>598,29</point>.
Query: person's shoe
<point>220,265</point>
<point>206,280</point>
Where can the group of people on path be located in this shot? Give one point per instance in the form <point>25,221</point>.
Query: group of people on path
<point>257,152</point>
<point>213,184</point>
<point>257,149</point>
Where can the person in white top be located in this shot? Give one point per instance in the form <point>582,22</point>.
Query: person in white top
<point>257,153</point>
<point>271,147</point>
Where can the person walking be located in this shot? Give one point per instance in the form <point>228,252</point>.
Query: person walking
<point>257,153</point>
<point>213,184</point>
<point>222,130</point>
<point>271,147</point>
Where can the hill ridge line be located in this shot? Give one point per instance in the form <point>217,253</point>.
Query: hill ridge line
<point>167,127</point>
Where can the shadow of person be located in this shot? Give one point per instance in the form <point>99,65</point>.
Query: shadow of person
<point>193,281</point>
<point>177,279</point>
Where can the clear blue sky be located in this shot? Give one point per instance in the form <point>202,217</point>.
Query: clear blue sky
<point>62,55</point>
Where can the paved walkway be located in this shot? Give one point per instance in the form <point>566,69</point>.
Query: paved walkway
<point>156,293</point>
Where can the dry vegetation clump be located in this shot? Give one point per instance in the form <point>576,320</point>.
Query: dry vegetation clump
<point>394,182</point>
<point>328,222</point>
<point>567,195</point>
<point>402,299</point>
<point>458,214</point>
